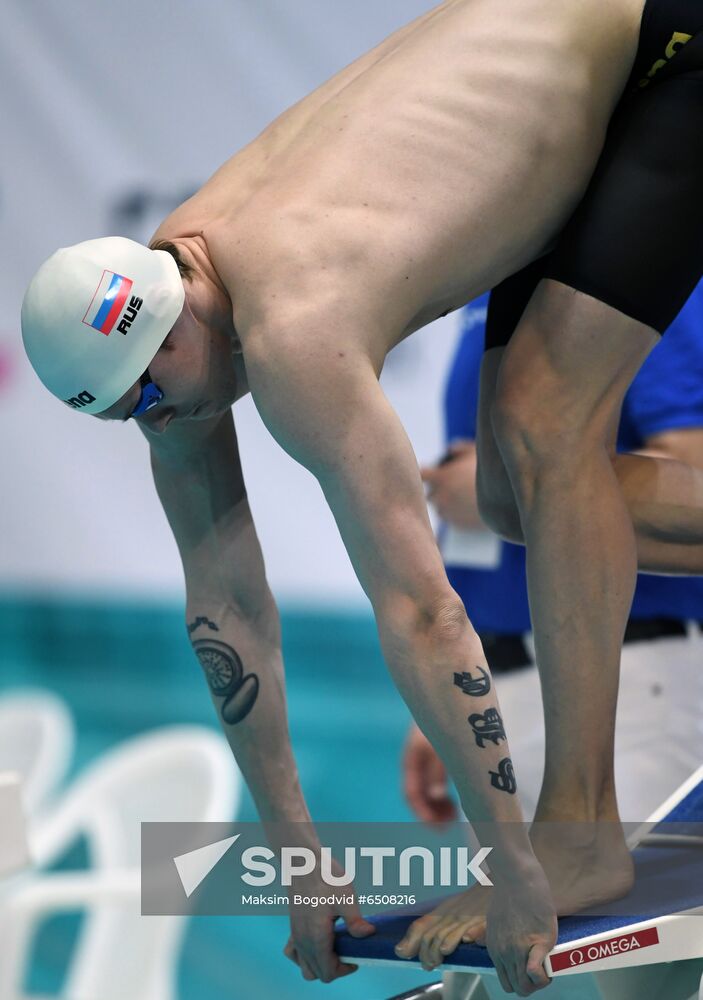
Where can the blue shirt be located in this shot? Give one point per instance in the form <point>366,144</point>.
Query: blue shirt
<point>667,394</point>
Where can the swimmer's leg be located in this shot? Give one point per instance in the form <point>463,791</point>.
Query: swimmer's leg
<point>635,242</point>
<point>664,496</point>
<point>496,497</point>
<point>559,392</point>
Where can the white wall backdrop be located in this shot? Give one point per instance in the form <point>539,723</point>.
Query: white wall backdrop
<point>110,116</point>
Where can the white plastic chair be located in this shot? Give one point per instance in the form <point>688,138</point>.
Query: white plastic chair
<point>37,742</point>
<point>14,847</point>
<point>180,773</point>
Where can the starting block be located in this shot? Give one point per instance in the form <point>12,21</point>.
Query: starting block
<point>659,957</point>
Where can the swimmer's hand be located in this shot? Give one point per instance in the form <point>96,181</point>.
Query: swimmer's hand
<point>311,943</point>
<point>425,780</point>
<point>521,929</point>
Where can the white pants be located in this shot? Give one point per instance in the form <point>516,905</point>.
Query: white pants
<point>659,729</point>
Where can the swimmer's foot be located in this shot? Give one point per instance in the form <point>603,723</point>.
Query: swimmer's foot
<point>438,933</point>
<point>586,864</point>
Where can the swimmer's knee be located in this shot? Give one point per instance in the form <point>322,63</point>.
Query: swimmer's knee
<point>538,416</point>
<point>559,388</point>
<point>517,423</point>
<point>539,437</point>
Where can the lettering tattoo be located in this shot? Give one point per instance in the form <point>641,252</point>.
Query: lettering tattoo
<point>476,687</point>
<point>202,621</point>
<point>504,778</point>
<point>226,678</point>
<point>488,726</point>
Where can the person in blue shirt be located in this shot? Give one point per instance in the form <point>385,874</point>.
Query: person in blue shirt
<point>659,735</point>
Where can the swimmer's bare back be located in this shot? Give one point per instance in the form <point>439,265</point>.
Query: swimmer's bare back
<point>422,174</point>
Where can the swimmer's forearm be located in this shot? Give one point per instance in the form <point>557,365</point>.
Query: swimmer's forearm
<point>241,658</point>
<point>441,671</point>
<point>231,615</point>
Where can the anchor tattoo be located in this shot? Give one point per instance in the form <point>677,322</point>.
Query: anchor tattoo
<point>504,778</point>
<point>488,726</point>
<point>476,687</point>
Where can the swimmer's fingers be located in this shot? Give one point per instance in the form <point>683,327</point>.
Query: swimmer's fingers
<point>357,925</point>
<point>503,977</point>
<point>291,952</point>
<point>312,947</point>
<point>536,971</point>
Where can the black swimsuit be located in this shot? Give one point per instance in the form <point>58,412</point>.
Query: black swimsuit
<point>635,241</point>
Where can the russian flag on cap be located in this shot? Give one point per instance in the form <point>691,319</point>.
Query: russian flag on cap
<point>106,305</point>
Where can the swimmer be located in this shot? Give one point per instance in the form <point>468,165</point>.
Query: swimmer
<point>431,169</point>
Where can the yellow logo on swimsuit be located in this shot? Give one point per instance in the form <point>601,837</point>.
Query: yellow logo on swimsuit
<point>678,40</point>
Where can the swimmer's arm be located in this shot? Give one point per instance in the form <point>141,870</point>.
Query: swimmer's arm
<point>231,612</point>
<point>320,397</point>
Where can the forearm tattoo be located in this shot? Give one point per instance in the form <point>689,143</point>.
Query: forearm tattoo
<point>226,678</point>
<point>487,727</point>
<point>202,621</point>
<point>476,687</point>
<point>504,778</point>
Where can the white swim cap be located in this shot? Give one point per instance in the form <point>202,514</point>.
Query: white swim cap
<point>94,316</point>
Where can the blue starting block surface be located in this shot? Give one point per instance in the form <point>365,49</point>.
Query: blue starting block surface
<point>652,924</point>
